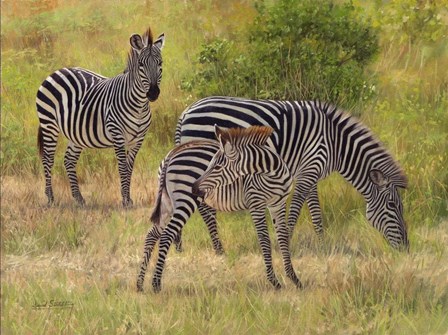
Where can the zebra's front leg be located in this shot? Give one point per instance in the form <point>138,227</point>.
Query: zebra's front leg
<point>259,219</point>
<point>150,241</point>
<point>209,216</point>
<point>167,238</point>
<point>70,160</point>
<point>120,153</point>
<point>278,215</point>
<point>301,189</point>
<point>130,159</point>
<point>316,213</point>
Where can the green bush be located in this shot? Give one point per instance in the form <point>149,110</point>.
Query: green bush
<point>292,50</point>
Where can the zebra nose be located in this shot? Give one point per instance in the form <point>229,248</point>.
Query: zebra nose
<point>153,93</point>
<point>196,191</point>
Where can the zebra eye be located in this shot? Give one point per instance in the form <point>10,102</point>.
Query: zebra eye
<point>391,204</point>
<point>140,64</point>
<point>218,167</point>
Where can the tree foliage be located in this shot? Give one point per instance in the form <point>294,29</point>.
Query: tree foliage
<point>293,50</point>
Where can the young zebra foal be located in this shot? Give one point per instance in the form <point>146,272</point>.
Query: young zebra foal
<point>238,173</point>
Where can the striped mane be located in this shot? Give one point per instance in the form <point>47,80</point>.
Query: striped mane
<point>256,135</point>
<point>345,123</point>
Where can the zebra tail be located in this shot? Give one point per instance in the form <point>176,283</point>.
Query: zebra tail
<point>178,131</point>
<point>40,141</point>
<point>157,211</point>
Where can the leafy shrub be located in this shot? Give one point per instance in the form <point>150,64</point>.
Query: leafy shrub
<point>292,50</point>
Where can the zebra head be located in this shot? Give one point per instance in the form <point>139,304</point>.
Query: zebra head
<point>385,208</point>
<point>232,160</point>
<point>149,62</point>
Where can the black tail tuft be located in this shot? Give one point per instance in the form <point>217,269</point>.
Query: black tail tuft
<point>155,215</point>
<point>40,141</point>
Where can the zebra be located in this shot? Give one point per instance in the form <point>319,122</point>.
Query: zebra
<point>314,139</point>
<point>238,172</point>
<point>93,111</point>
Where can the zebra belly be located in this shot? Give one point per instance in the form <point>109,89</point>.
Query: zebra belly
<point>69,98</point>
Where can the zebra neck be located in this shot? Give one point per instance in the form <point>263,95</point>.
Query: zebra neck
<point>356,153</point>
<point>263,161</point>
<point>135,92</point>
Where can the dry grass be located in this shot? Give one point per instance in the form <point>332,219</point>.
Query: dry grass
<point>90,257</point>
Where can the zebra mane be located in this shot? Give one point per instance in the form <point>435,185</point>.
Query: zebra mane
<point>148,39</point>
<point>257,135</point>
<point>343,121</point>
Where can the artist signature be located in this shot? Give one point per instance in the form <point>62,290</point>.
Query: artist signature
<point>53,304</point>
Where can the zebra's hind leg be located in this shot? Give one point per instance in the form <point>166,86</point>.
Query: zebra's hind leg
<point>316,213</point>
<point>70,160</point>
<point>168,235</point>
<point>209,216</point>
<point>47,140</point>
<point>150,241</point>
<point>259,219</point>
<point>178,242</point>
<point>278,215</point>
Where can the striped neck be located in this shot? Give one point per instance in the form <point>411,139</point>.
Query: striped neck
<point>133,81</point>
<point>357,152</point>
<point>261,160</point>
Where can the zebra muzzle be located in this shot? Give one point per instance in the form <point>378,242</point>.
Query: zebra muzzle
<point>197,191</point>
<point>153,93</point>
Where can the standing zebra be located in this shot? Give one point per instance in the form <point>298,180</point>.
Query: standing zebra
<point>93,111</point>
<point>314,139</point>
<point>239,173</point>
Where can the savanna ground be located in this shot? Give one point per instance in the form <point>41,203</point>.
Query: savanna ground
<point>87,258</point>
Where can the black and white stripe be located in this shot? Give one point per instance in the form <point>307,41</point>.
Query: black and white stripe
<point>93,111</point>
<point>314,139</point>
<point>239,173</point>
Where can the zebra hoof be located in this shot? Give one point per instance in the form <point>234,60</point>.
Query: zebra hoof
<point>127,203</point>
<point>219,251</point>
<point>140,287</point>
<point>80,202</point>
<point>156,286</point>
<point>276,285</point>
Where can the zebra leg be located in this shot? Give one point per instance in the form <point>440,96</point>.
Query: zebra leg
<point>120,153</point>
<point>70,160</point>
<point>150,241</point>
<point>301,189</point>
<point>130,159</point>
<point>178,242</point>
<point>259,219</point>
<point>316,213</point>
<point>168,235</point>
<point>209,216</point>
<point>47,140</point>
<point>279,220</point>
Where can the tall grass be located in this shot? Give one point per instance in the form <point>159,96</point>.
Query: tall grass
<point>355,284</point>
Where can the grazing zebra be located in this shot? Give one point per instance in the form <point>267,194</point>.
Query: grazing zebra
<point>314,139</point>
<point>243,173</point>
<point>93,111</point>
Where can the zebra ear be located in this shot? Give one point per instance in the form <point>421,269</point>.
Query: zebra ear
<point>160,42</point>
<point>224,141</point>
<point>136,42</point>
<point>378,178</point>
